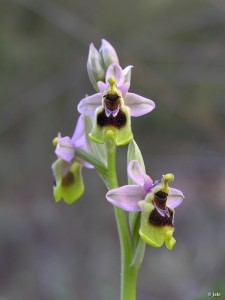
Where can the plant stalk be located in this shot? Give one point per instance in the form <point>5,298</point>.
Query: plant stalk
<point>128,273</point>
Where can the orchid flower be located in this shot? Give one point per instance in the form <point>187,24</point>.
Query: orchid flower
<point>113,106</point>
<point>156,201</point>
<point>67,168</point>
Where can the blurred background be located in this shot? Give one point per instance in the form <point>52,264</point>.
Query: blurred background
<point>52,251</point>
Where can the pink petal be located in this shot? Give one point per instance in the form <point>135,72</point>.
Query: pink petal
<point>138,105</point>
<point>175,198</point>
<point>87,165</point>
<point>124,89</point>
<point>138,176</point>
<point>127,73</point>
<point>126,197</point>
<point>88,105</point>
<point>115,70</point>
<point>102,86</point>
<point>65,148</point>
<point>79,139</point>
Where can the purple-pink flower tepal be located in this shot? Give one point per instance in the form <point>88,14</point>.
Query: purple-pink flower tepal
<point>66,146</point>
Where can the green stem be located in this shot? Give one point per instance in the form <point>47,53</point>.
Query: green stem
<point>92,160</point>
<point>128,273</point>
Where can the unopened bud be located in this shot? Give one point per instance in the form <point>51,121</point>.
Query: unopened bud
<point>95,67</point>
<point>108,54</point>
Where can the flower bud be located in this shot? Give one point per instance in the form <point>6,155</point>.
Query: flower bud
<point>95,67</point>
<point>108,54</point>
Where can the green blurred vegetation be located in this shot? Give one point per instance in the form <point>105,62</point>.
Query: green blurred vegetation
<point>53,251</point>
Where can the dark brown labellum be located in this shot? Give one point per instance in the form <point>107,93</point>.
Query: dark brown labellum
<point>111,101</point>
<point>118,121</point>
<point>68,179</point>
<point>161,215</point>
<point>160,199</point>
<point>161,196</point>
<point>157,219</point>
